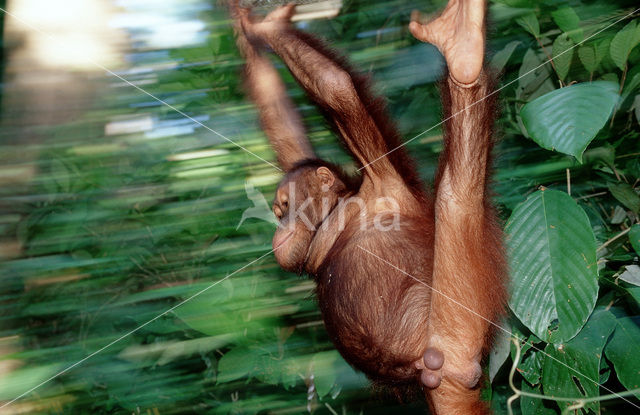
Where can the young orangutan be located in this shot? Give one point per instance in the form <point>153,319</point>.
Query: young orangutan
<point>407,282</point>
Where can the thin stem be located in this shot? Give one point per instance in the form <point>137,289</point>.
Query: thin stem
<point>550,58</point>
<point>628,155</point>
<point>592,195</point>
<point>333,411</point>
<point>624,232</point>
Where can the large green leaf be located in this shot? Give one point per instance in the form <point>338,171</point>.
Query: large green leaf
<point>623,353</point>
<point>622,44</point>
<point>572,369</point>
<point>552,258</point>
<point>567,119</point>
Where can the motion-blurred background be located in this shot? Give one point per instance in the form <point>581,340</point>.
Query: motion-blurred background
<point>124,177</point>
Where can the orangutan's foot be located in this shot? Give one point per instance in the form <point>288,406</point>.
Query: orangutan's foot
<point>459,35</point>
<point>431,365</point>
<point>261,29</point>
<point>433,369</point>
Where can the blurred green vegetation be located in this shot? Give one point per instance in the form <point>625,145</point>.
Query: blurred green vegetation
<point>117,215</point>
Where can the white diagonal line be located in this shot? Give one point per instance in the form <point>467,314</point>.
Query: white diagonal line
<point>496,325</point>
<point>163,102</point>
<point>133,331</point>
<point>498,90</point>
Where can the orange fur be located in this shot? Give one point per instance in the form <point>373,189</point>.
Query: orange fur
<point>373,286</point>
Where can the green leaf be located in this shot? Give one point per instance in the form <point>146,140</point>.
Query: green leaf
<point>562,54</point>
<point>268,370</point>
<point>567,20</point>
<point>567,119</point>
<point>499,351</point>
<point>591,55</point>
<point>634,237</point>
<point>531,405</point>
<point>572,369</point>
<point>530,367</point>
<point>290,373</point>
<point>622,44</point>
<point>501,58</point>
<point>629,87</point>
<point>552,258</point>
<point>602,49</point>
<point>236,364</point>
<point>324,371</point>
<point>205,314</point>
<point>636,105</point>
<point>610,77</point>
<point>624,355</point>
<point>530,23</point>
<point>534,78</point>
<point>634,292</point>
<point>625,194</point>
<point>527,71</point>
<point>587,55</point>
